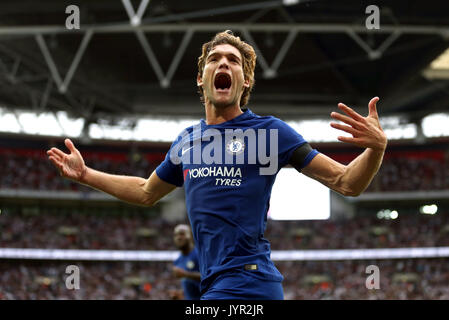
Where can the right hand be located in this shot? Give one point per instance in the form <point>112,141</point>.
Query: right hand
<point>71,165</point>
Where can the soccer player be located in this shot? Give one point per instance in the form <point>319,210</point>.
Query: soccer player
<point>227,203</point>
<point>186,266</point>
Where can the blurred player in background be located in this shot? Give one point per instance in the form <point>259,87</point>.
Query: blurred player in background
<point>186,266</point>
<point>227,204</point>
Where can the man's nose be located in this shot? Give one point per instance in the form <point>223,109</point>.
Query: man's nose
<point>223,64</point>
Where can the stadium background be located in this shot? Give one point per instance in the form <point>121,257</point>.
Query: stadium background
<point>118,88</point>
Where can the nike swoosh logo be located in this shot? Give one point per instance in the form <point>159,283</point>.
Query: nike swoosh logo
<point>185,150</point>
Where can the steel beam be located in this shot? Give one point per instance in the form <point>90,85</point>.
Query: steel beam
<point>63,84</point>
<point>374,54</point>
<point>135,18</point>
<point>150,55</point>
<point>214,27</point>
<point>40,72</point>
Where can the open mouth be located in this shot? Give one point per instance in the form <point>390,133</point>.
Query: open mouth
<point>222,81</point>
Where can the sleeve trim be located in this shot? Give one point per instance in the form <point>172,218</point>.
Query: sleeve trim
<point>309,157</point>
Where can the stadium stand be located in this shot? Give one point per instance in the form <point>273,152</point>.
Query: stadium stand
<point>311,280</point>
<point>400,171</point>
<point>136,232</point>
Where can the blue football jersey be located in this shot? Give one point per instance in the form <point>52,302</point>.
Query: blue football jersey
<point>189,262</point>
<point>227,202</point>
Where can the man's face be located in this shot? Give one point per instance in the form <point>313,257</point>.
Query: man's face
<point>181,238</point>
<point>222,79</point>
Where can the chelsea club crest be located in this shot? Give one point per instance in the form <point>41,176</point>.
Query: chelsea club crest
<point>235,146</point>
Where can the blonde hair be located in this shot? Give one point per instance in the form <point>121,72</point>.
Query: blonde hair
<point>248,60</point>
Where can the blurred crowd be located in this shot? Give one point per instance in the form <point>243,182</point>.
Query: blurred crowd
<point>86,231</point>
<point>333,280</point>
<point>97,280</point>
<point>408,230</point>
<point>33,171</point>
<point>411,174</point>
<point>342,280</point>
<point>137,232</point>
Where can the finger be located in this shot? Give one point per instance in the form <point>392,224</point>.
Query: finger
<point>56,162</point>
<point>350,112</point>
<point>355,141</point>
<point>345,119</point>
<point>347,129</point>
<point>55,156</point>
<point>372,106</point>
<point>69,144</point>
<point>57,152</point>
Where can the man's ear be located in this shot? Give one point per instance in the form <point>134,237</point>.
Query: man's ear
<point>246,83</point>
<point>199,80</point>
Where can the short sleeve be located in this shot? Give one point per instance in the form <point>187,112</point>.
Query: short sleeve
<point>289,141</point>
<point>177,262</point>
<point>168,170</point>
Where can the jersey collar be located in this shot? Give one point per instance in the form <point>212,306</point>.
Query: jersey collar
<point>247,113</point>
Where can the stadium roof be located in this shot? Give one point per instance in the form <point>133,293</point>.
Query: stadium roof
<point>311,55</point>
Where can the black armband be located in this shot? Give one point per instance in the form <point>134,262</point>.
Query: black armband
<point>299,155</point>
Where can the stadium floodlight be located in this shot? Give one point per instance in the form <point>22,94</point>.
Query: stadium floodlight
<point>290,2</point>
<point>384,214</point>
<point>9,122</point>
<point>321,131</point>
<point>166,130</point>
<point>317,130</point>
<point>394,214</point>
<point>395,129</point>
<point>43,124</point>
<point>429,209</point>
<point>161,129</point>
<point>388,214</point>
<point>72,127</point>
<point>435,125</point>
<point>103,131</point>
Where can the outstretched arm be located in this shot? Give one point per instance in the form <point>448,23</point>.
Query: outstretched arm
<point>135,190</point>
<point>353,179</point>
<point>181,273</point>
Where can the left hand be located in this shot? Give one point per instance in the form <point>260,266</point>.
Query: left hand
<point>366,131</point>
<point>179,272</point>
